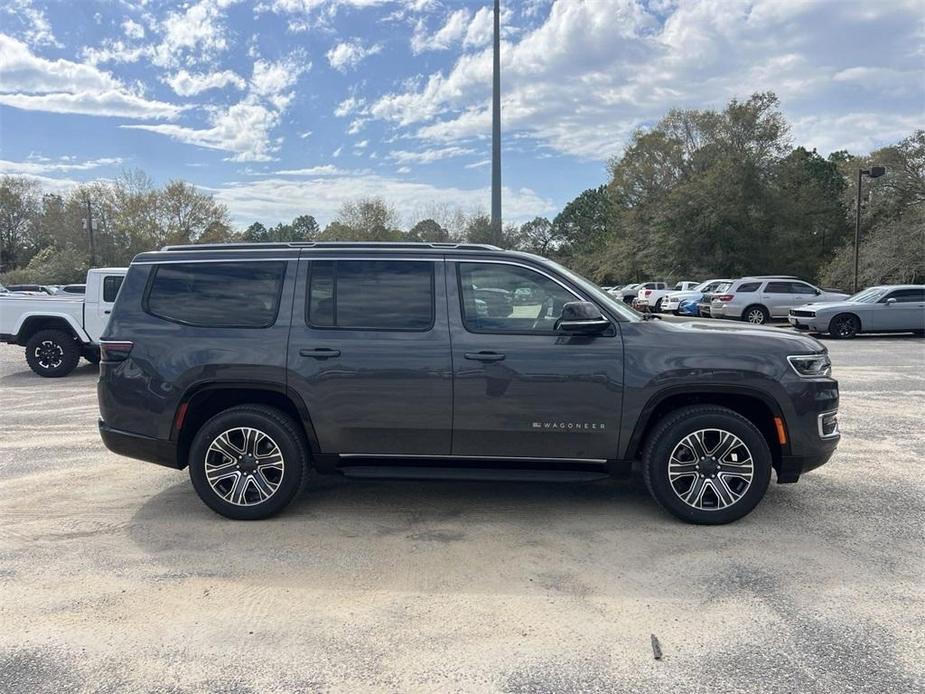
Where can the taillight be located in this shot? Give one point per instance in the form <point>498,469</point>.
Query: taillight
<point>648,291</point>
<point>724,297</point>
<point>113,351</point>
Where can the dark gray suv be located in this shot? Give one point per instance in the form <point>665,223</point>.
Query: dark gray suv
<point>254,364</point>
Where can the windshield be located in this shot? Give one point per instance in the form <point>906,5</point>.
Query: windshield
<point>705,286</point>
<point>722,287</point>
<point>614,304</point>
<point>867,296</point>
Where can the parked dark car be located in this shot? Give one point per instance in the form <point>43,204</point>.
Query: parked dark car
<point>252,364</point>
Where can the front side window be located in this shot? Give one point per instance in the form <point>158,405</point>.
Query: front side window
<point>778,288</point>
<point>111,286</point>
<point>371,294</point>
<point>217,295</point>
<point>801,288</point>
<point>499,298</point>
<point>907,296</point>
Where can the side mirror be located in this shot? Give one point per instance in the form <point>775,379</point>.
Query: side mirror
<point>890,301</point>
<point>581,318</point>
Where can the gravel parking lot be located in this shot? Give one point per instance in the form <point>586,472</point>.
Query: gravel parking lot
<point>115,577</point>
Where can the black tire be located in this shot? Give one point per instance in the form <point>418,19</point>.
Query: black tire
<point>844,326</point>
<point>668,435</point>
<point>282,431</point>
<point>756,314</point>
<point>658,306</point>
<point>52,353</point>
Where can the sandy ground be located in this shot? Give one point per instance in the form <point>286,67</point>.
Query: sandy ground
<point>114,577</point>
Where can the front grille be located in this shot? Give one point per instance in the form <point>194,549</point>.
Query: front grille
<point>802,314</point>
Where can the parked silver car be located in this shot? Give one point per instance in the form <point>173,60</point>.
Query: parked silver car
<point>758,299</point>
<point>888,308</point>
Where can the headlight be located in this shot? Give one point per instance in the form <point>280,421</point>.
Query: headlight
<point>810,365</point>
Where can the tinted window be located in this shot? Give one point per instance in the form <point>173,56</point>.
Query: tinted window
<point>217,295</point>
<point>750,287</point>
<point>111,286</point>
<point>371,294</point>
<point>499,298</point>
<point>801,288</point>
<point>905,296</point>
<point>778,288</point>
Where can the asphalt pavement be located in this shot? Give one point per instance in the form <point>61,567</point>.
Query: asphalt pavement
<point>114,577</point>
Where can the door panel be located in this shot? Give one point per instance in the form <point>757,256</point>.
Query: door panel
<point>373,390</point>
<point>533,394</point>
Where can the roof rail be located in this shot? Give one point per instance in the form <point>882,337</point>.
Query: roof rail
<point>269,245</point>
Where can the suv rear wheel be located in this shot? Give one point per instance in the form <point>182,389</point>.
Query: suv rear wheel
<point>248,462</point>
<point>707,464</point>
<point>756,314</point>
<point>52,353</point>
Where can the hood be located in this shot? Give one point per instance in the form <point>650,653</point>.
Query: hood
<point>682,296</point>
<point>822,305</point>
<point>729,336</point>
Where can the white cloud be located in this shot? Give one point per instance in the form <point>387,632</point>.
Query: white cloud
<point>63,86</point>
<point>35,27</point>
<point>196,33</point>
<point>323,170</point>
<point>186,84</point>
<point>348,54</point>
<point>350,105</point>
<point>39,166</point>
<point>244,128</point>
<point>428,156</point>
<point>133,29</point>
<point>452,32</point>
<point>592,72</point>
<point>278,199</point>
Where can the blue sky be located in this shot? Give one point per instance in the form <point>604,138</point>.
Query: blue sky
<point>285,107</point>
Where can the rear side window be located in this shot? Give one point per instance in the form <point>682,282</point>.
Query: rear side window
<point>111,286</point>
<point>217,295</point>
<point>750,287</point>
<point>371,294</point>
<point>778,288</point>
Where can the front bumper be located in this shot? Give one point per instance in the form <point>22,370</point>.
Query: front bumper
<point>807,324</point>
<point>140,447</point>
<point>811,404</point>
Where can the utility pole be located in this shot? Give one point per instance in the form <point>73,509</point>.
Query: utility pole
<point>872,172</point>
<point>496,131</point>
<point>89,224</point>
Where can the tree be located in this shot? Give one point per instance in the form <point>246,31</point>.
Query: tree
<point>539,235</point>
<point>256,232</point>
<point>428,230</point>
<point>20,203</point>
<point>304,228</point>
<point>187,213</point>
<point>369,219</point>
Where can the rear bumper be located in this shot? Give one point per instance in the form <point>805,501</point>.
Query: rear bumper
<point>140,447</point>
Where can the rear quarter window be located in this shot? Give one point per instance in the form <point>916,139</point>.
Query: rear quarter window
<point>216,295</point>
<point>749,287</point>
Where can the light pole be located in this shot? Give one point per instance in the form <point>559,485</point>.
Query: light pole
<point>872,172</point>
<point>496,131</point>
<point>88,224</point>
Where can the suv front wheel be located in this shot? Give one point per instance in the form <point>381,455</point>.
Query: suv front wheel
<point>248,462</point>
<point>707,464</point>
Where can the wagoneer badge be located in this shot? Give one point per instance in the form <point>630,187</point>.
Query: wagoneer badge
<point>570,426</point>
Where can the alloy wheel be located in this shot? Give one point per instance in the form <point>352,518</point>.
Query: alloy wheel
<point>710,469</point>
<point>756,315</point>
<point>49,355</point>
<point>844,326</point>
<point>244,466</point>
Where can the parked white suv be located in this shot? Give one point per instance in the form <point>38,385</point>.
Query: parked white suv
<point>758,300</point>
<point>651,294</point>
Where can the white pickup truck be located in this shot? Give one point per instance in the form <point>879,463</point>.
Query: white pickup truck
<point>58,330</point>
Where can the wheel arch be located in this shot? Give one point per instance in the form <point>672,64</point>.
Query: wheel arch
<point>33,323</point>
<point>847,313</point>
<point>758,407</point>
<point>202,402</point>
